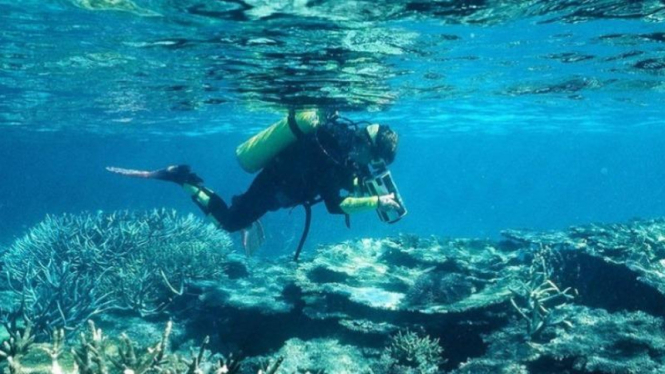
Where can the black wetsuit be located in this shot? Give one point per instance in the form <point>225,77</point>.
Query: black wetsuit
<point>316,166</point>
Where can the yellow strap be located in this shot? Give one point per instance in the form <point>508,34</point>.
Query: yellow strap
<point>352,205</point>
<point>197,193</point>
<point>202,197</point>
<point>191,189</point>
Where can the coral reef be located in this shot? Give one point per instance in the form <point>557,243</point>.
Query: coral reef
<point>69,268</point>
<point>590,299</point>
<point>525,294</point>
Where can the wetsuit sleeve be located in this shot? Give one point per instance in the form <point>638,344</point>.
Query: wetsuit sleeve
<point>349,205</point>
<point>352,205</point>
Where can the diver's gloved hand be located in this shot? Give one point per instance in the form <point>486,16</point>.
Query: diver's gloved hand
<point>179,174</point>
<point>388,203</point>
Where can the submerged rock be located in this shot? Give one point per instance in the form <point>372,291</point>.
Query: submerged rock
<point>317,356</point>
<point>595,341</point>
<point>261,289</point>
<point>615,266</point>
<point>462,291</point>
<point>431,277</point>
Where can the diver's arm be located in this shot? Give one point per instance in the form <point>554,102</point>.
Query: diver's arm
<point>362,204</point>
<point>352,205</point>
<point>337,204</point>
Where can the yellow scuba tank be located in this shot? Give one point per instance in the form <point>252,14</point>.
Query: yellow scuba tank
<point>254,154</point>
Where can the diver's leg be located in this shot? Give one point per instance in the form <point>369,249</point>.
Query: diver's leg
<point>245,210</point>
<point>209,202</point>
<point>212,205</point>
<point>248,207</point>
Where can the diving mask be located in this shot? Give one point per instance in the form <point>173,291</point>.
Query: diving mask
<point>372,131</point>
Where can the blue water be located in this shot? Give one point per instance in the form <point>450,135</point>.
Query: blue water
<point>538,117</point>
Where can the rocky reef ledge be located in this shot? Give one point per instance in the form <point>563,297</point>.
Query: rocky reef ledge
<point>590,299</point>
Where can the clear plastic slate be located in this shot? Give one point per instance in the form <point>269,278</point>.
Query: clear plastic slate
<point>381,183</point>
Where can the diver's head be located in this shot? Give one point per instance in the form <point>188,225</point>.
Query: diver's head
<point>384,142</point>
<point>376,143</point>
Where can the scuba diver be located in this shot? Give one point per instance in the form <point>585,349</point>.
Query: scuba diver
<point>303,159</point>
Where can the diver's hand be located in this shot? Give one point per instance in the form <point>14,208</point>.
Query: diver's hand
<point>388,203</point>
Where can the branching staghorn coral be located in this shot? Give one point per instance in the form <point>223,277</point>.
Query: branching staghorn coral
<point>56,295</point>
<point>272,368</point>
<point>97,354</point>
<point>69,268</point>
<point>90,355</point>
<point>19,342</point>
<point>154,357</point>
<point>56,350</point>
<point>535,298</point>
<point>409,352</point>
<point>93,354</point>
<point>20,338</point>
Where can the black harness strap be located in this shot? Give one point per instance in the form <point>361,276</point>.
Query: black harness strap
<point>303,238</point>
<point>299,134</point>
<point>308,222</point>
<point>293,125</point>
